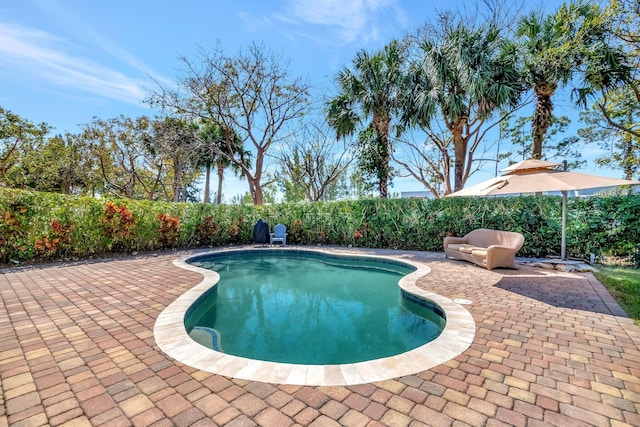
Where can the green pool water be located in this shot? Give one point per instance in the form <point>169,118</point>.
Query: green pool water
<point>296,307</point>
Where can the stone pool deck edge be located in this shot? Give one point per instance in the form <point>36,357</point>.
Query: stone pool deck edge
<point>172,338</point>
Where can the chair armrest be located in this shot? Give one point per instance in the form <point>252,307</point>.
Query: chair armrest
<point>498,255</point>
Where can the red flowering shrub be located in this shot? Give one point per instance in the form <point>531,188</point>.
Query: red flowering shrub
<point>12,242</point>
<point>48,246</point>
<point>234,230</point>
<point>206,231</point>
<point>168,230</point>
<point>118,225</point>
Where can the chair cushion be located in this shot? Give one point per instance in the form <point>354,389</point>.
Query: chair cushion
<point>482,253</point>
<point>463,247</point>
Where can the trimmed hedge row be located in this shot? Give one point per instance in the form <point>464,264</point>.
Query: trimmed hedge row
<point>40,226</point>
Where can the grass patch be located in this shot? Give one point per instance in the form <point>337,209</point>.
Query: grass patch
<point>623,284</point>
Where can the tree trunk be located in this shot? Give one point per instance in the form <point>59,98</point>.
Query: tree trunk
<point>176,182</point>
<point>628,159</point>
<point>65,186</point>
<point>207,180</point>
<point>381,124</point>
<point>460,151</point>
<point>256,191</point>
<point>383,187</point>
<point>446,173</point>
<point>384,169</point>
<point>542,118</point>
<point>220,178</point>
<point>255,187</point>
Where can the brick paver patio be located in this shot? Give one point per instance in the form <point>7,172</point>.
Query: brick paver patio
<point>77,348</point>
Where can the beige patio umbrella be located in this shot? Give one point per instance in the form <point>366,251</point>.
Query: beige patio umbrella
<point>539,176</point>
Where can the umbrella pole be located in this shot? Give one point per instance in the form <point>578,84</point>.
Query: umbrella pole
<point>563,243</point>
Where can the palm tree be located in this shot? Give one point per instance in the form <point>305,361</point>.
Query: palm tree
<point>546,66</point>
<point>370,93</point>
<point>553,49</point>
<point>463,76</point>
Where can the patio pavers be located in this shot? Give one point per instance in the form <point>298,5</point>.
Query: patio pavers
<point>77,348</point>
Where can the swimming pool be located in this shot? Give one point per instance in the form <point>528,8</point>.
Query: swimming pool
<point>309,308</point>
<point>172,338</point>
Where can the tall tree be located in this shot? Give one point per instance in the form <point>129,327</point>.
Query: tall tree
<point>463,76</point>
<point>612,85</point>
<point>59,164</point>
<point>312,162</point>
<point>78,168</point>
<point>250,93</point>
<point>17,135</point>
<point>617,132</point>
<point>127,167</point>
<point>174,140</point>
<point>212,142</point>
<point>554,48</point>
<point>428,161</point>
<point>369,97</point>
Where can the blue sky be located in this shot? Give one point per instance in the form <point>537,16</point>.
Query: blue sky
<point>66,61</point>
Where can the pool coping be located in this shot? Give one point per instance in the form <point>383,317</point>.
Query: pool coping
<point>172,338</point>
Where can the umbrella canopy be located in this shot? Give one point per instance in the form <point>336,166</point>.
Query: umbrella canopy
<point>531,164</point>
<point>537,181</point>
<point>536,176</point>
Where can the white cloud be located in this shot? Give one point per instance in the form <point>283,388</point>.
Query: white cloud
<point>27,51</point>
<point>353,20</point>
<point>67,18</point>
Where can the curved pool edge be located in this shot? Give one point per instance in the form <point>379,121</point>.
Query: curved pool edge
<point>172,338</point>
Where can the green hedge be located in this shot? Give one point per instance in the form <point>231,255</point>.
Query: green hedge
<point>40,226</point>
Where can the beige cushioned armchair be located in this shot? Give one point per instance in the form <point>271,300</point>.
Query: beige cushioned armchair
<point>485,247</point>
